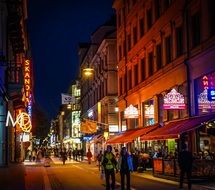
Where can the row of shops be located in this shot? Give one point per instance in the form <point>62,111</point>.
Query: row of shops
<point>197,132</point>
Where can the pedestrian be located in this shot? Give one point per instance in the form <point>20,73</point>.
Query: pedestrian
<point>63,156</point>
<point>185,160</point>
<point>109,164</point>
<point>89,156</point>
<point>125,165</point>
<point>99,159</point>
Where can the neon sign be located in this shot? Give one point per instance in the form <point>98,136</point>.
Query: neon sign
<point>206,99</point>
<point>23,120</point>
<point>174,100</point>
<point>27,80</point>
<point>131,112</point>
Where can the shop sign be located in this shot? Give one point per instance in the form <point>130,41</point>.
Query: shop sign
<point>23,120</point>
<point>211,94</point>
<point>174,100</point>
<point>131,112</point>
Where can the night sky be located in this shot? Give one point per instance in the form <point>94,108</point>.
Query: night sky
<point>55,28</point>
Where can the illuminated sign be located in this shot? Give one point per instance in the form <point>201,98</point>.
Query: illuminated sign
<point>131,112</point>
<point>174,100</point>
<point>211,94</point>
<point>27,80</point>
<point>23,120</point>
<point>206,99</point>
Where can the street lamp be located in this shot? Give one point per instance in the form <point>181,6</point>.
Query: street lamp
<point>88,72</point>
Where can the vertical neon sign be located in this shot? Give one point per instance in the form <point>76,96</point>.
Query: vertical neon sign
<point>28,86</point>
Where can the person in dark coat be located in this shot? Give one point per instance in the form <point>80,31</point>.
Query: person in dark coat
<point>185,160</point>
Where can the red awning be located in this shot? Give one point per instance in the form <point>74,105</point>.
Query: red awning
<point>130,135</point>
<point>173,130</point>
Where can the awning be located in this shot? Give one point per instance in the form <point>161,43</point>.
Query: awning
<point>130,135</point>
<point>173,130</point>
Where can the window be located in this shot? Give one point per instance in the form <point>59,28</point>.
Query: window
<point>120,86</point>
<point>151,66</point>
<point>120,52</point>
<point>143,73</point>
<point>149,18</point>
<point>141,27</point>
<point>119,18</point>
<point>135,35</point>
<point>129,42</point>
<point>129,79</point>
<point>157,9</point>
<point>124,48</point>
<point>168,49</point>
<point>212,16</point>
<point>136,74</point>
<point>158,57</point>
<point>195,27</point>
<point>179,41</point>
<point>167,3</point>
<point>125,83</point>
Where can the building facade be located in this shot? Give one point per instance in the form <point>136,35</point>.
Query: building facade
<point>164,47</point>
<point>16,77</point>
<point>99,90</point>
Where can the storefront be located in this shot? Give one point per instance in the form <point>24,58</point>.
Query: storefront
<point>198,132</point>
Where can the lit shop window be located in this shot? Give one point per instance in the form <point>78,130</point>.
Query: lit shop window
<point>149,114</point>
<point>205,93</point>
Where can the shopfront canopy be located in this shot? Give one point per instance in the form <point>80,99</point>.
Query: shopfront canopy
<point>130,135</point>
<point>173,130</point>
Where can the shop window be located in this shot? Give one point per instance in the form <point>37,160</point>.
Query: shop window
<point>149,114</point>
<point>202,85</point>
<point>195,29</point>
<point>206,134</point>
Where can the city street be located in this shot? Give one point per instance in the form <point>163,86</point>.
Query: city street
<point>76,175</point>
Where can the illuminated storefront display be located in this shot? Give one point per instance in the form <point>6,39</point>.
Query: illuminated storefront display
<point>174,100</point>
<point>149,114</point>
<point>205,88</point>
<point>131,112</point>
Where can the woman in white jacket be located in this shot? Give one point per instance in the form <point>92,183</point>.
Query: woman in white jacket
<point>125,165</point>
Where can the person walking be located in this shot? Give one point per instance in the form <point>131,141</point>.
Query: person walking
<point>125,165</point>
<point>99,159</point>
<point>185,160</point>
<point>89,156</point>
<point>109,164</point>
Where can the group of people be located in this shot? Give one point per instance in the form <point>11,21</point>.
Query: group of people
<point>111,165</point>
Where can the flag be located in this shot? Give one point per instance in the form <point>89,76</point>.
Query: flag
<point>67,99</point>
<point>88,127</point>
